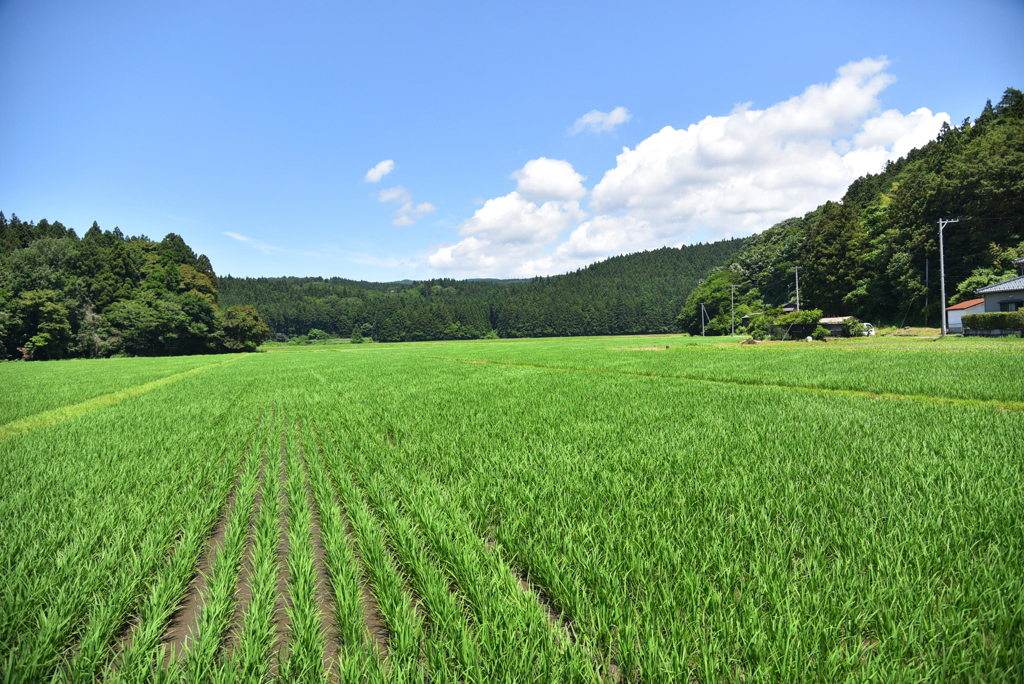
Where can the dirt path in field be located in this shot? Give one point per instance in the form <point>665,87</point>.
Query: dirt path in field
<point>61,413</point>
<point>999,405</point>
<point>324,592</point>
<point>373,619</point>
<point>184,623</point>
<point>243,588</point>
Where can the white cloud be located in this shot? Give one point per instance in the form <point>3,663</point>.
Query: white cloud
<point>505,233</point>
<point>380,170</point>
<point>407,212</point>
<point>737,174</point>
<point>600,122</point>
<point>508,232</point>
<point>723,176</point>
<point>543,179</point>
<point>514,219</point>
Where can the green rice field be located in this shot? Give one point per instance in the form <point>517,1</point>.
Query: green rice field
<point>620,509</point>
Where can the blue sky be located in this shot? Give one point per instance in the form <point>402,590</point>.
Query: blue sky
<point>250,128</point>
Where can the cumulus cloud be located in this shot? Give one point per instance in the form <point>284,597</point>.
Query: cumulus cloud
<point>508,232</point>
<point>543,179</point>
<point>380,170</point>
<point>600,122</point>
<point>737,174</point>
<point>723,176</point>
<point>407,212</point>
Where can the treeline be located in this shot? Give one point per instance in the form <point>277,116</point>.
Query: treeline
<point>630,294</point>
<point>105,293</point>
<point>875,253</point>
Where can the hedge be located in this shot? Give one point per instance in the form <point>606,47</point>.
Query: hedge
<point>996,320</point>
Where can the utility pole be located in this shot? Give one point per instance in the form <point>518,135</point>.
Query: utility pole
<point>796,269</point>
<point>732,303</point>
<point>702,319</point>
<point>942,270</point>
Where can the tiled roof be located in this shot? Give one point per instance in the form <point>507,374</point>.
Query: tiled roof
<point>1005,286</point>
<point>966,305</point>
<point>835,320</point>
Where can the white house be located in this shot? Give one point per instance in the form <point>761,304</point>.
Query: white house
<point>955,313</point>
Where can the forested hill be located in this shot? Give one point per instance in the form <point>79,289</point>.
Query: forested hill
<point>106,293</point>
<point>875,253</point>
<point>634,293</point>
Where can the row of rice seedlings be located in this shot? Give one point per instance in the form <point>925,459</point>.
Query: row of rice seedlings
<point>116,562</point>
<point>503,608</point>
<point>452,653</point>
<point>305,660</point>
<point>51,552</point>
<point>403,621</point>
<point>251,658</point>
<point>356,660</point>
<point>218,603</point>
<point>514,639</point>
<point>138,570</point>
<point>143,656</point>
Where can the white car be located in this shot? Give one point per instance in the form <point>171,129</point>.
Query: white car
<point>869,329</point>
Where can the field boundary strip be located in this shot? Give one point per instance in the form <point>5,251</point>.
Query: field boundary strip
<point>863,394</point>
<point>56,415</point>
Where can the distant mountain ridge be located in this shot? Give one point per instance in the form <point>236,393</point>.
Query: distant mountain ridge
<point>628,294</point>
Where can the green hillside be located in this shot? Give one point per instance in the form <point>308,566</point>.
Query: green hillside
<point>875,253</point>
<point>634,293</point>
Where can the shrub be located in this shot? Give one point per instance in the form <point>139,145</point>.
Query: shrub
<point>853,328</point>
<point>820,334</point>
<point>319,335</point>
<point>995,320</point>
<point>357,335</point>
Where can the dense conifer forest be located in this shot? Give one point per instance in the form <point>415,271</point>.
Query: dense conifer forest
<point>874,254</point>
<point>634,293</point>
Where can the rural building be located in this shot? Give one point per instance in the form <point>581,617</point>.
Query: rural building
<point>836,325</point>
<point>955,313</point>
<point>1005,296</point>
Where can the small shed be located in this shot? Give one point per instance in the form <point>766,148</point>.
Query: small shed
<point>836,325</point>
<point>955,313</point>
